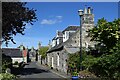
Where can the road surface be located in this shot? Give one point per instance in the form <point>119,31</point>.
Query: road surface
<point>35,70</point>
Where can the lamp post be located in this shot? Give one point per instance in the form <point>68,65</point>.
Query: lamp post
<point>80,12</point>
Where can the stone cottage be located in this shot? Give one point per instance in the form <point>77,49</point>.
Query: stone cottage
<point>68,41</point>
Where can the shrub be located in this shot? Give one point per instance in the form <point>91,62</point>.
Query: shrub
<point>6,62</point>
<point>74,74</point>
<point>7,76</point>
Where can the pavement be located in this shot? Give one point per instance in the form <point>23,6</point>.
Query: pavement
<point>59,73</point>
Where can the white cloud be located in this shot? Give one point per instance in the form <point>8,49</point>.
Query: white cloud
<point>59,17</point>
<point>54,20</point>
<point>46,21</point>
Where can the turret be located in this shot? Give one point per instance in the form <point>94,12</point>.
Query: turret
<point>85,10</point>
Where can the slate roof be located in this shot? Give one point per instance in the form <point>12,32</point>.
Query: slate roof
<point>72,49</point>
<point>57,47</point>
<point>71,28</point>
<point>12,52</point>
<point>61,45</point>
<point>54,38</point>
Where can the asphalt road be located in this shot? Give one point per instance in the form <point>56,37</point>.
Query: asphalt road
<point>34,70</point>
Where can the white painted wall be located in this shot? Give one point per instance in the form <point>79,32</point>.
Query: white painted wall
<point>48,59</point>
<point>17,59</point>
<point>66,35</point>
<point>58,41</point>
<point>58,59</point>
<point>52,62</point>
<point>53,43</point>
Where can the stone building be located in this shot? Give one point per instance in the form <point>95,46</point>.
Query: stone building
<point>32,54</point>
<point>68,42</point>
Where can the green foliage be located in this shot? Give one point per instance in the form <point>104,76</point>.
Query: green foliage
<point>89,61</point>
<point>15,15</point>
<point>7,76</point>
<point>6,62</point>
<point>74,61</point>
<point>107,66</point>
<point>107,34</point>
<point>74,74</point>
<point>42,51</point>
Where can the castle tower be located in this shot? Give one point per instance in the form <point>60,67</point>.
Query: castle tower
<point>87,19</point>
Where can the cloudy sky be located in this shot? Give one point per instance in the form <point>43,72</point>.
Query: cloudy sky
<point>53,16</point>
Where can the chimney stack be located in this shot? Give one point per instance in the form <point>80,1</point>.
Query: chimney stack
<point>89,10</point>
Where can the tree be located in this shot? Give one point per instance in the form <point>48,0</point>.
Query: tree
<point>106,34</point>
<point>74,61</point>
<point>107,65</point>
<point>42,52</point>
<point>15,15</point>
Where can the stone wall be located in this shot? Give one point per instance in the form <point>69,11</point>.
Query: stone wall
<point>62,60</point>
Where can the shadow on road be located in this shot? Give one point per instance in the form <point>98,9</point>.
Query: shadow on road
<point>28,71</point>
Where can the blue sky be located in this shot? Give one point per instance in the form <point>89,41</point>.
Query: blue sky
<point>54,16</point>
<point>70,0</point>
